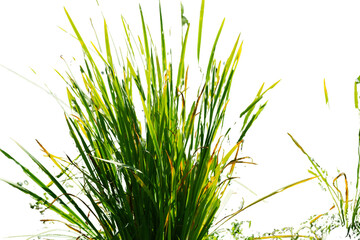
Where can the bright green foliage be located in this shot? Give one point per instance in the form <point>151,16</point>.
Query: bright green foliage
<point>162,180</point>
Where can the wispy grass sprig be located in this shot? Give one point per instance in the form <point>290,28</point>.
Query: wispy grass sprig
<point>347,212</point>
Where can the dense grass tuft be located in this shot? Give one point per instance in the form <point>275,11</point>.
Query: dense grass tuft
<point>158,173</point>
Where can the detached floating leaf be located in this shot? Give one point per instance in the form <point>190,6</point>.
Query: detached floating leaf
<point>326,94</point>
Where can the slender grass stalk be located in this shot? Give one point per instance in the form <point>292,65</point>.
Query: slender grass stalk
<point>162,179</point>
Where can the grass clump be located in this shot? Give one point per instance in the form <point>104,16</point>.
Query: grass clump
<point>157,174</point>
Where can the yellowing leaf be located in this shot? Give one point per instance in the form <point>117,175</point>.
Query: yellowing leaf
<point>326,93</point>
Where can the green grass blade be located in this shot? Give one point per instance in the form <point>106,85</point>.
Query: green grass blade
<point>81,222</point>
<point>75,219</point>
<point>108,50</point>
<point>200,28</point>
<point>319,173</point>
<point>182,58</point>
<point>47,204</point>
<point>163,46</point>
<point>228,217</point>
<point>211,58</point>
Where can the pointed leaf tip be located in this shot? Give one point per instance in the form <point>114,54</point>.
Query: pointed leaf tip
<point>200,28</point>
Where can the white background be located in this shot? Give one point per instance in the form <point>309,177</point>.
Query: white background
<point>300,42</point>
